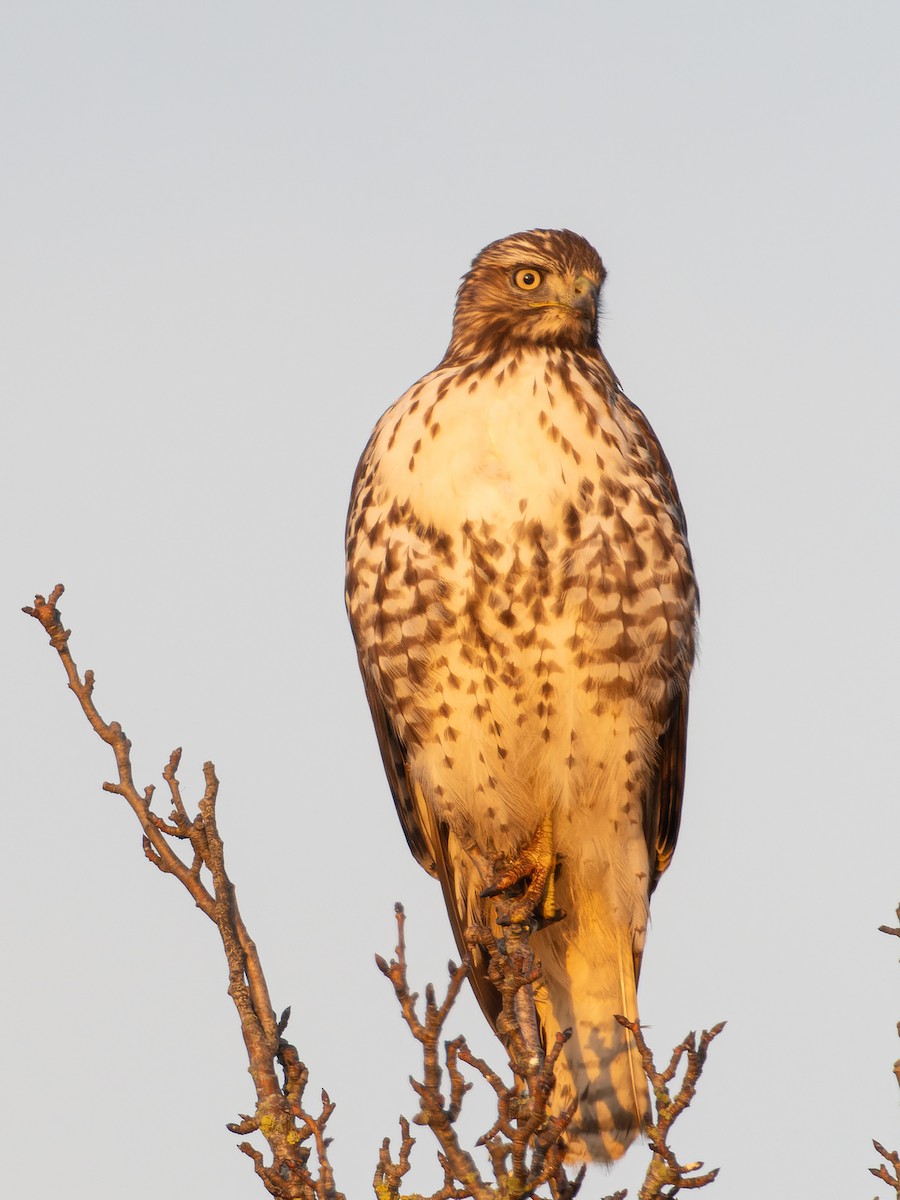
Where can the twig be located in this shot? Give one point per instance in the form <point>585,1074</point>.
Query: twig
<point>665,1175</point>
<point>279,1114</point>
<point>891,1157</point>
<point>525,1144</point>
<point>433,1112</point>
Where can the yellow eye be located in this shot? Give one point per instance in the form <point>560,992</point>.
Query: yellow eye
<point>527,279</point>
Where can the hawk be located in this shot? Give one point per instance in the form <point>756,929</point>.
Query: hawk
<point>522,598</point>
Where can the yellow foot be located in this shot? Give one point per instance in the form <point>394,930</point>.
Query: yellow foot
<point>537,863</point>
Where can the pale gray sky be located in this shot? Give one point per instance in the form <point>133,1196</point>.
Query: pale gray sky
<point>232,235</point>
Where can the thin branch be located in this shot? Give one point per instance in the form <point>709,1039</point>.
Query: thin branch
<point>278,1075</point>
<point>112,733</point>
<point>460,1166</point>
<point>665,1175</point>
<point>891,1157</point>
<point>525,1145</point>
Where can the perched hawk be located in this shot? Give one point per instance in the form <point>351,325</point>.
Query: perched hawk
<point>522,599</point>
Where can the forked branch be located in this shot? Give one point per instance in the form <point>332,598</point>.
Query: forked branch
<point>666,1176</point>
<point>524,1144</point>
<point>278,1075</point>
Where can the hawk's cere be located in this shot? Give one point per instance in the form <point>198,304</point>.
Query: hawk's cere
<point>521,594</point>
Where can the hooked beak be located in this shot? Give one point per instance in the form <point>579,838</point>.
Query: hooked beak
<point>584,296</point>
<point>579,296</point>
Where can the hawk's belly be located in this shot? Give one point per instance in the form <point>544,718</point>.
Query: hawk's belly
<point>539,696</point>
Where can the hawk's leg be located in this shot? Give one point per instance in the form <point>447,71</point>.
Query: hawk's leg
<point>537,863</point>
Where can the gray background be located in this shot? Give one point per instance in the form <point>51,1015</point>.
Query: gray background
<point>231,237</point>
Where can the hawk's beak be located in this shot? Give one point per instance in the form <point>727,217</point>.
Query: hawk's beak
<point>583,296</point>
<point>579,296</point>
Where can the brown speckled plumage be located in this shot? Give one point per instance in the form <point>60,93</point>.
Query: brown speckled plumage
<point>522,598</point>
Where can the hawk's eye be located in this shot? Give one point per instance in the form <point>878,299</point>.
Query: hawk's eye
<point>527,279</point>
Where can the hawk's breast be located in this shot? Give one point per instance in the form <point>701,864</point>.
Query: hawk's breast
<point>476,448</point>
<point>522,589</point>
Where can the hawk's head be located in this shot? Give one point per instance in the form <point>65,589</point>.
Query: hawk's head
<point>539,288</point>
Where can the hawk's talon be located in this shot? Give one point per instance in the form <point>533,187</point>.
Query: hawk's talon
<point>497,889</point>
<point>527,923</point>
<point>558,914</point>
<point>528,881</point>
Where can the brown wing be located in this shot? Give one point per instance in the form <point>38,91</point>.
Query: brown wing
<point>431,842</point>
<point>464,907</point>
<point>663,815</point>
<point>393,752</point>
<point>660,462</point>
<point>416,823</point>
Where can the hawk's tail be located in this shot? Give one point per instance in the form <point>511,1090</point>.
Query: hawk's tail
<point>587,980</point>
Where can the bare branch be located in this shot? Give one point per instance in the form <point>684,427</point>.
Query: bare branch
<point>665,1175</point>
<point>889,929</point>
<point>525,1144</point>
<point>459,1165</point>
<point>112,733</point>
<point>278,1075</point>
<point>891,1157</point>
